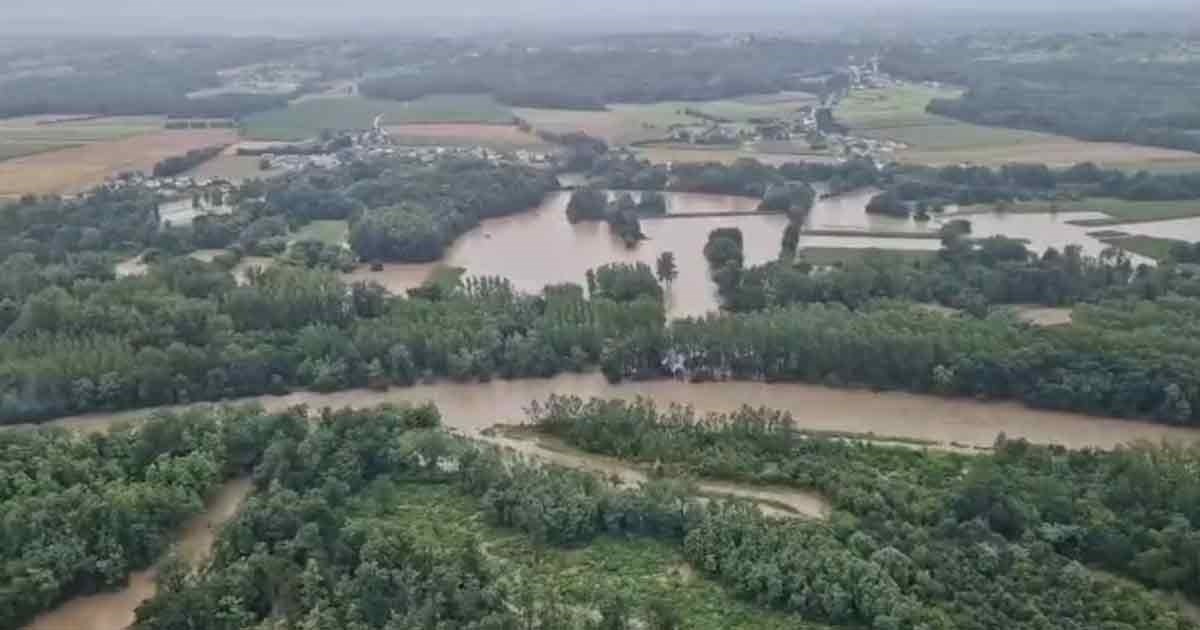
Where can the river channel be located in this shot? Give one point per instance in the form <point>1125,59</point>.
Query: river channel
<point>471,408</point>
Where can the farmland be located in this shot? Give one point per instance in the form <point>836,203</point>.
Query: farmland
<point>77,168</point>
<point>898,114</point>
<point>828,256</point>
<point>451,134</point>
<point>308,118</point>
<point>622,124</point>
<point>1119,210</point>
<point>30,135</point>
<point>1148,246</point>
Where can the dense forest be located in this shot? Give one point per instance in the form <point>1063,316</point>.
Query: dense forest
<point>80,513</point>
<point>1100,87</point>
<point>920,538</point>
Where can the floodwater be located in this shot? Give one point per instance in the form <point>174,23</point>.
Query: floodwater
<point>777,501</point>
<point>540,247</point>
<point>473,408</point>
<point>849,212</point>
<point>686,202</point>
<point>116,610</point>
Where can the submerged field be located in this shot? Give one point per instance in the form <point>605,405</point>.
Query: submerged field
<point>1119,210</point>
<point>308,118</point>
<point>898,113</point>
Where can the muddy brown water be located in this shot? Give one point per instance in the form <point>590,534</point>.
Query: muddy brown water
<point>540,247</point>
<point>472,408</point>
<point>116,610</point>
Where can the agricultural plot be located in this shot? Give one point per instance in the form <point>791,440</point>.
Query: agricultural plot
<point>1149,246</point>
<point>81,167</point>
<point>1120,211</point>
<point>31,135</point>
<point>308,118</point>
<point>469,134</point>
<point>898,114</point>
<point>618,125</point>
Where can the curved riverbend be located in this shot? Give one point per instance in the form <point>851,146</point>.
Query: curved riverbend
<point>472,408</point>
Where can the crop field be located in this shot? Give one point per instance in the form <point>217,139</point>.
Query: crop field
<point>623,124</point>
<point>827,256</point>
<point>898,113</point>
<point>234,168</point>
<point>686,153</point>
<point>472,134</point>
<point>81,167</point>
<point>1120,210</point>
<point>618,125</point>
<point>308,118</point>
<point>30,135</point>
<point>1148,246</point>
<point>329,232</point>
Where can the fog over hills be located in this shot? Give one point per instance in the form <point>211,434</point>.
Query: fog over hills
<point>283,16</point>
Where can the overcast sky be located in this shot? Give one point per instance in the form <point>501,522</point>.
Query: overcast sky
<point>103,14</point>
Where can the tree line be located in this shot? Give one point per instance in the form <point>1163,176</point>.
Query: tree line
<point>181,164</point>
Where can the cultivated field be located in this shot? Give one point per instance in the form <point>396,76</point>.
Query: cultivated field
<point>826,256</point>
<point>667,152</point>
<point>30,135</point>
<point>81,167</point>
<point>473,134</point>
<point>618,125</point>
<point>1120,210</point>
<point>328,232</point>
<point>898,114</point>
<point>234,168</point>
<point>1148,246</point>
<point>308,118</point>
<point>623,124</point>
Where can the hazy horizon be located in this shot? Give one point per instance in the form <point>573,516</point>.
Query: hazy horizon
<point>129,16</point>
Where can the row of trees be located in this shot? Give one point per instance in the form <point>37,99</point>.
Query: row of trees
<point>621,213</point>
<point>181,164</point>
<point>912,541</point>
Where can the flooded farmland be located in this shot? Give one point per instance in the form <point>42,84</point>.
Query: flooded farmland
<point>471,408</point>
<point>116,610</point>
<point>541,247</point>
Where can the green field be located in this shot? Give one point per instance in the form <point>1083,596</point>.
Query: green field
<point>829,256</point>
<point>1148,246</point>
<point>308,118</point>
<point>898,113</point>
<point>639,569</point>
<point>328,232</point>
<point>1120,211</point>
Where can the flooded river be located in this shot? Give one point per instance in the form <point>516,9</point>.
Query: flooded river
<point>116,610</point>
<point>472,408</point>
